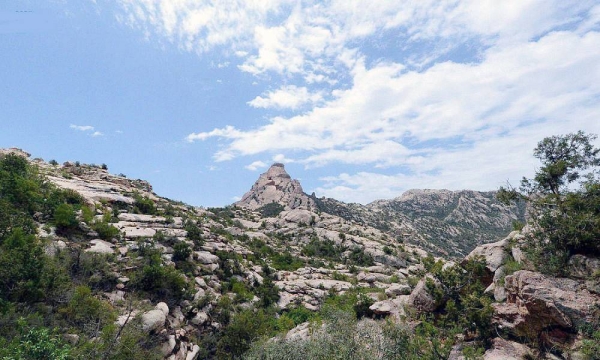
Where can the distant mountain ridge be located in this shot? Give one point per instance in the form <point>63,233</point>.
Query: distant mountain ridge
<point>444,222</point>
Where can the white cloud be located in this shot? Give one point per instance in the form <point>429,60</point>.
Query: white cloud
<point>286,97</point>
<point>280,158</point>
<point>227,132</point>
<point>256,165</point>
<point>81,127</point>
<point>531,71</point>
<point>96,134</point>
<point>442,123</point>
<point>388,108</point>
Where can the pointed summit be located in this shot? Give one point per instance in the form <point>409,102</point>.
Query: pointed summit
<point>276,186</point>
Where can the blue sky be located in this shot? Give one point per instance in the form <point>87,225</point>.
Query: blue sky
<point>361,99</point>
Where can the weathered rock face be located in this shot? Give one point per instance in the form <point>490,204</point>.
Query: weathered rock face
<point>276,186</point>
<point>536,302</point>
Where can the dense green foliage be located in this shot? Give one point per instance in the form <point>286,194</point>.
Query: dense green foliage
<point>41,295</point>
<point>564,199</point>
<point>35,343</point>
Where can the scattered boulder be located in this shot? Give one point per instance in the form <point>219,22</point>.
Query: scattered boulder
<point>389,307</point>
<point>421,297</point>
<point>199,319</point>
<point>300,332</point>
<point>507,350</point>
<point>205,257</point>
<point>397,289</point>
<point>583,267</point>
<point>494,254</point>
<point>101,247</point>
<point>154,320</point>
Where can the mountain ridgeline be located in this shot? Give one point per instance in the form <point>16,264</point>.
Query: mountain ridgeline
<point>443,222</point>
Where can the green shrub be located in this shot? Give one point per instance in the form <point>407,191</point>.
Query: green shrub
<point>564,201</point>
<point>161,282</point>
<point>105,230</point>
<point>22,262</point>
<point>87,214</point>
<point>359,257</point>
<point>194,233</point>
<point>267,292</point>
<point>65,218</point>
<point>144,205</point>
<point>286,261</point>
<point>181,251</point>
<point>36,343</point>
<point>271,210</point>
<point>245,328</point>
<point>325,249</point>
<point>87,313</point>
<point>591,346</point>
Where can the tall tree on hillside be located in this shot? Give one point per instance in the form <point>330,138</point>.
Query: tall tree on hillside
<point>564,198</point>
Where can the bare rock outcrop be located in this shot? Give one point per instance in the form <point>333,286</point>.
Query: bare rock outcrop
<point>276,186</point>
<point>536,302</point>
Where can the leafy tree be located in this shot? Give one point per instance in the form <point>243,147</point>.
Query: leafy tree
<point>564,198</point>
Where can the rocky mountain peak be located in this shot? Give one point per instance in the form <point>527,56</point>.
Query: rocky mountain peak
<point>276,186</point>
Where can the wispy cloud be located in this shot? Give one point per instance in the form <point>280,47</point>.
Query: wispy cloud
<point>81,127</point>
<point>286,97</point>
<point>256,165</point>
<point>97,133</point>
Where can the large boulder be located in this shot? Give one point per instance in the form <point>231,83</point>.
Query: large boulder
<point>397,289</point>
<point>422,299</point>
<point>204,257</point>
<point>507,350</point>
<point>393,307</point>
<point>494,255</point>
<point>101,247</point>
<point>536,302</point>
<point>298,216</point>
<point>154,320</point>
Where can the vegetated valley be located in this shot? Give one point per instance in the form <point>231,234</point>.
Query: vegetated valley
<point>97,266</point>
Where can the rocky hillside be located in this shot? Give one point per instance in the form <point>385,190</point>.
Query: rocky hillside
<point>96,265</point>
<point>175,273</point>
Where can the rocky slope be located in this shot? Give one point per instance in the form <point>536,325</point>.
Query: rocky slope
<point>306,255</point>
